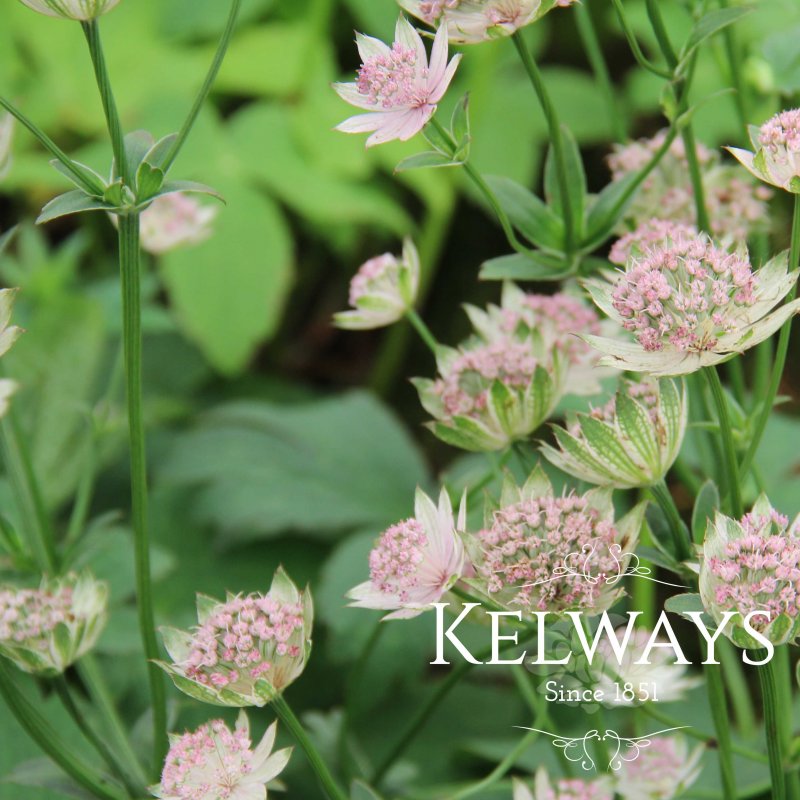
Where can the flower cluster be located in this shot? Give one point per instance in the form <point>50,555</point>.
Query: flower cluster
<point>753,565</point>
<point>736,207</point>
<point>397,86</point>
<point>215,762</point>
<point>565,789</point>
<point>690,304</point>
<point>83,10</point>
<point>630,442</point>
<point>175,220</point>
<point>662,770</point>
<point>475,21</point>
<point>776,159</point>
<point>245,650</point>
<point>650,233</point>
<point>415,561</point>
<point>383,290</point>
<point>542,552</point>
<point>45,630</point>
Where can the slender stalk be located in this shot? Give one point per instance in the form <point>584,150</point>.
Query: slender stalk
<point>633,43</point>
<point>423,330</point>
<point>556,139</point>
<point>740,96</point>
<point>784,680</point>
<point>132,339</point>
<point>730,461</point>
<point>736,682</point>
<point>773,710</point>
<point>288,718</point>
<point>660,31</point>
<point>594,52</point>
<point>48,740</point>
<point>211,76</point>
<point>680,533</point>
<point>781,350</point>
<point>696,177</point>
<point>722,727</point>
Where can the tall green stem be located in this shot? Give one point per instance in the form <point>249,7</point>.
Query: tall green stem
<point>722,728</point>
<point>737,80</point>
<point>731,463</point>
<point>132,339</point>
<point>780,352</point>
<point>773,725</point>
<point>784,679</point>
<point>288,718</point>
<point>556,138</point>
<point>680,533</point>
<point>423,330</point>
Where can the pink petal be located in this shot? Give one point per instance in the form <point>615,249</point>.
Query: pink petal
<point>350,94</point>
<point>363,123</point>
<point>403,125</point>
<point>369,46</point>
<point>438,56</point>
<point>437,91</point>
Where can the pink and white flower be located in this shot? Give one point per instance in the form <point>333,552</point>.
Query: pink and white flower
<point>650,233</point>
<point>383,290</point>
<point>662,770</point>
<point>175,220</point>
<point>416,561</point>
<point>564,789</point>
<point>753,564</point>
<point>215,762</point>
<point>83,10</point>
<point>397,86</point>
<point>245,650</point>
<point>690,304</point>
<point>475,21</point>
<point>776,156</point>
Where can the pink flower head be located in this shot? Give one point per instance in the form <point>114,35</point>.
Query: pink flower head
<point>564,789</point>
<point>661,770</point>
<point>245,650</point>
<point>754,565</point>
<point>547,553</point>
<point>650,233</point>
<point>776,159</point>
<point>396,85</point>
<point>690,304</point>
<point>217,763</point>
<point>175,220</point>
<point>415,561</point>
<point>736,207</point>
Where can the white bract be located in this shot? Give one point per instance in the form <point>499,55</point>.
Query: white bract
<point>83,10</point>
<point>6,135</point>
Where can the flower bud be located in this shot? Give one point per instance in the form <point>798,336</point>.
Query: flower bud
<point>245,650</point>
<point>83,10</point>
<point>631,442</point>
<point>382,291</point>
<point>45,630</point>
<point>175,220</point>
<point>664,769</point>
<point>215,762</point>
<point>753,564</point>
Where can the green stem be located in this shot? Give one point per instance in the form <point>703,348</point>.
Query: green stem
<point>784,680</point>
<point>731,52</point>
<point>423,330</point>
<point>86,180</point>
<point>594,52</point>
<point>556,139</point>
<point>735,370</point>
<point>780,352</point>
<point>132,338</point>
<point>91,31</point>
<point>633,43</point>
<point>288,718</point>
<point>696,177</point>
<point>773,724</point>
<point>211,76</point>
<point>680,533</point>
<point>736,681</point>
<point>722,728</point>
<point>731,463</point>
<point>46,737</point>
<point>660,31</point>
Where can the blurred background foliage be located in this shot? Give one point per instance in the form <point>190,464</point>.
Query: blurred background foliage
<point>263,451</point>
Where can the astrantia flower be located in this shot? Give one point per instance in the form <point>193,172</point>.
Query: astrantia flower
<point>564,789</point>
<point>670,679</point>
<point>753,565</point>
<point>383,290</point>
<point>6,136</point>
<point>396,85</point>
<point>415,561</point>
<point>736,207</point>
<point>175,220</point>
<point>650,233</point>
<point>691,304</point>
<point>660,771</point>
<point>776,159</point>
<point>8,333</point>
<point>245,650</point>
<point>540,552</point>
<point>83,10</point>
<point>558,320</point>
<point>474,21</point>
<point>45,630</point>
<point>630,442</point>
<point>215,762</point>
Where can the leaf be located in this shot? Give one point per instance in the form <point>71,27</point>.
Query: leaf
<point>360,791</point>
<point>429,159</point>
<point>575,178</point>
<point>74,202</point>
<point>525,267</point>
<point>709,24</point>
<point>606,211</point>
<point>318,459</point>
<point>148,181</point>
<point>707,502</point>
<point>188,187</point>
<point>529,215</point>
<point>460,126</point>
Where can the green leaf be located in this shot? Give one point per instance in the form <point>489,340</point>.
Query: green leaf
<point>360,791</point>
<point>148,181</point>
<point>460,126</point>
<point>605,212</point>
<point>90,175</point>
<point>529,215</point>
<point>576,181</point>
<point>525,267</point>
<point>137,146</point>
<point>188,187</point>
<point>437,140</point>
<point>706,504</point>
<point>74,202</point>
<point>427,160</point>
<point>709,24</point>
